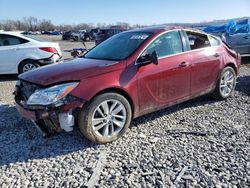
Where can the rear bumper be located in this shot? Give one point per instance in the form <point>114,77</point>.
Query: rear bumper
<point>55,58</point>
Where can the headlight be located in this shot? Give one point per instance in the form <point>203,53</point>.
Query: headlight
<point>51,95</point>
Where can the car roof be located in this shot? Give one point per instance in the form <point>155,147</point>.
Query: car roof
<point>14,33</point>
<point>162,28</point>
<point>20,35</point>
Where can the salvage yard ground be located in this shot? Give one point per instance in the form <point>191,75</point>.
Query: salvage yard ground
<point>202,143</point>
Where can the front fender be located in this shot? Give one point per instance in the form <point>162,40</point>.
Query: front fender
<point>123,80</point>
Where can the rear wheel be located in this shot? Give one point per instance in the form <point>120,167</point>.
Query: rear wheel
<point>106,118</point>
<point>27,66</point>
<point>226,84</point>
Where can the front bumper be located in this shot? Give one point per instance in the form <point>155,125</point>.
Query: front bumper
<point>46,117</point>
<point>28,114</point>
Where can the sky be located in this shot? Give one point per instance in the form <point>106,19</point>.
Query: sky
<point>144,12</point>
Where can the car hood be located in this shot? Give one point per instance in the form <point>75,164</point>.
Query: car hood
<point>77,69</point>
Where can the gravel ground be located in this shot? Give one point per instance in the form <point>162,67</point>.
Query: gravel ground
<point>200,143</point>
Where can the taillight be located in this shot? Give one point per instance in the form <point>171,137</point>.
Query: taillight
<point>49,49</point>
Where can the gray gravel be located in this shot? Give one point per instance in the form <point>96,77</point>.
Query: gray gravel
<point>200,143</point>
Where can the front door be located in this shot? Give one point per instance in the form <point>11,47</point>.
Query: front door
<point>165,83</point>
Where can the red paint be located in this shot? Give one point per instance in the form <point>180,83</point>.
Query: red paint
<point>175,79</point>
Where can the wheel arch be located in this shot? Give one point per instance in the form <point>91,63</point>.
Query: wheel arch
<point>24,60</point>
<point>119,91</point>
<point>230,64</point>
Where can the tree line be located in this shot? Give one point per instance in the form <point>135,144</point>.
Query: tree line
<point>34,24</point>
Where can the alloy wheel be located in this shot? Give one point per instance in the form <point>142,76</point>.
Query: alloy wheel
<point>109,118</point>
<point>28,67</point>
<point>227,83</point>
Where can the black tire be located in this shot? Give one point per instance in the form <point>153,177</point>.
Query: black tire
<point>22,67</point>
<point>217,93</point>
<point>75,38</point>
<point>87,39</point>
<point>89,111</point>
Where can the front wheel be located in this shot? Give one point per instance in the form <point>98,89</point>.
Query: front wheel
<point>106,118</point>
<point>226,84</point>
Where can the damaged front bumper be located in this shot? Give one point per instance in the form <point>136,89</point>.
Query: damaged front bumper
<point>48,119</point>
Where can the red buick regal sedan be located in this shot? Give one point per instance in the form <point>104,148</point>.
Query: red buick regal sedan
<point>130,74</point>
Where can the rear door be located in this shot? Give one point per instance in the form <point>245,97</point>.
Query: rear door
<point>165,83</point>
<point>206,56</point>
<point>11,51</point>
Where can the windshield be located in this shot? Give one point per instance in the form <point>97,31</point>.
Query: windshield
<point>118,47</point>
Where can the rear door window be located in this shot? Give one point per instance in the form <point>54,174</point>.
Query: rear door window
<point>167,44</point>
<point>197,40</point>
<point>214,41</point>
<point>8,40</point>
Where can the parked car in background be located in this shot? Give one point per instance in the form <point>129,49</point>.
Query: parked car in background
<point>89,35</point>
<point>93,32</point>
<point>104,34</point>
<point>56,33</point>
<point>20,53</point>
<point>130,74</point>
<point>240,42</point>
<point>235,33</point>
<point>86,36</point>
<point>67,35</point>
<point>77,35</point>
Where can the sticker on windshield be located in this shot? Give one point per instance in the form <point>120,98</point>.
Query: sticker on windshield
<point>139,37</point>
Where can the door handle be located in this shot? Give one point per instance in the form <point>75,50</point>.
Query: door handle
<point>246,37</point>
<point>184,64</point>
<point>216,55</point>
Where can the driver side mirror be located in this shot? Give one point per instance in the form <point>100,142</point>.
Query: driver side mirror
<point>148,58</point>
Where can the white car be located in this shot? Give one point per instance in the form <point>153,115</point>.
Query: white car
<point>20,53</point>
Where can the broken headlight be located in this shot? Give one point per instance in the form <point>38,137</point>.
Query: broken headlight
<point>51,95</point>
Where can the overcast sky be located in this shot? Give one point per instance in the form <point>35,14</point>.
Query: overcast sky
<point>131,11</point>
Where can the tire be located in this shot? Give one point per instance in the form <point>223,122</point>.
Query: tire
<point>87,39</point>
<point>27,65</point>
<point>97,126</point>
<point>75,38</point>
<point>224,90</point>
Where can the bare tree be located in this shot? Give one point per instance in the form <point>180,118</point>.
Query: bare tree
<point>31,22</point>
<point>9,25</point>
<point>1,26</point>
<point>123,24</point>
<point>45,25</point>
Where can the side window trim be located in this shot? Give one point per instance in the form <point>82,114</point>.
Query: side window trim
<point>157,37</point>
<point>183,45</point>
<point>185,41</point>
